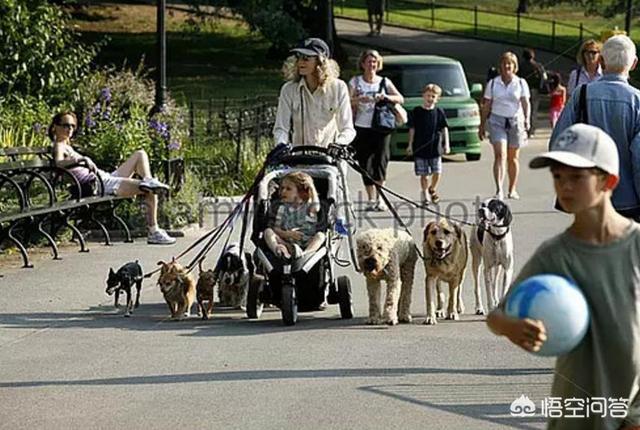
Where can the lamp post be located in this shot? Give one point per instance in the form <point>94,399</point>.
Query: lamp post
<point>627,18</point>
<point>161,66</point>
<point>329,26</point>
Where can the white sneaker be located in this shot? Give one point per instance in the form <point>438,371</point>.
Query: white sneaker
<point>160,237</point>
<point>371,205</point>
<point>500,195</point>
<point>381,206</point>
<point>153,185</point>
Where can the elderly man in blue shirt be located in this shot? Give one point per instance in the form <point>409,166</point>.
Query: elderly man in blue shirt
<point>613,105</point>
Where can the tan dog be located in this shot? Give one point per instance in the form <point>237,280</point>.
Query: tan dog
<point>390,256</point>
<point>446,252</point>
<point>204,292</point>
<point>178,288</point>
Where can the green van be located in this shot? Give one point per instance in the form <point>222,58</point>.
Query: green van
<point>410,73</point>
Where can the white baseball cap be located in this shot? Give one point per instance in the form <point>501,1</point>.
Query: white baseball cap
<point>582,146</point>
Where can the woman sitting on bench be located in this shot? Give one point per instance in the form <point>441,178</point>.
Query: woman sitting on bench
<point>119,182</point>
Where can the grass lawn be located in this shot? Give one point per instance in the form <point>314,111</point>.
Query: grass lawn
<point>456,16</point>
<point>225,59</point>
<point>217,60</point>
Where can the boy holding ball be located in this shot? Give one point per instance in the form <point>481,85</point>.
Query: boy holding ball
<point>600,252</point>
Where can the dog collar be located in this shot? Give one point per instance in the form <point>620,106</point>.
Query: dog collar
<point>495,236</point>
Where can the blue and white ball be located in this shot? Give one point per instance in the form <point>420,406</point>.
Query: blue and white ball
<point>559,304</point>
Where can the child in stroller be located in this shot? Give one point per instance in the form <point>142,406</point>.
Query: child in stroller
<point>296,221</point>
<point>296,244</point>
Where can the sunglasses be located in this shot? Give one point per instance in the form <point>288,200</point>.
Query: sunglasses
<point>592,52</point>
<point>67,126</point>
<point>304,57</point>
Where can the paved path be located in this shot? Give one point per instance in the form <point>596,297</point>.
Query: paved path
<point>68,360</point>
<point>476,55</point>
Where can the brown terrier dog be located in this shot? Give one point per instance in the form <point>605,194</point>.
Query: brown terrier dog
<point>178,288</point>
<point>204,292</point>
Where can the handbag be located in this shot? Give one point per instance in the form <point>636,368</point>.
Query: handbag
<point>384,116</point>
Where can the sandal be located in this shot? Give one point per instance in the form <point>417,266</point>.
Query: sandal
<point>435,198</point>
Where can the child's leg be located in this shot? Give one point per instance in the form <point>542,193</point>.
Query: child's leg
<point>138,163</point>
<point>434,181</point>
<point>315,242</point>
<point>275,243</point>
<point>424,182</point>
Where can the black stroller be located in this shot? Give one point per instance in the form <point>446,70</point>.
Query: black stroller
<point>306,283</point>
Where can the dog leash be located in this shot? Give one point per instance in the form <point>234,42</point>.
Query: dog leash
<point>354,164</point>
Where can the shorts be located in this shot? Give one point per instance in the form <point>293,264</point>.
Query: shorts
<point>427,166</point>
<point>111,183</point>
<point>515,135</point>
<point>372,153</point>
<point>375,7</point>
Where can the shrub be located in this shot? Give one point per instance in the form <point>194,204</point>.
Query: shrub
<point>41,57</point>
<point>114,112</point>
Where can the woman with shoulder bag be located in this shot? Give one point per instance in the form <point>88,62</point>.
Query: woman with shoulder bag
<point>505,114</point>
<point>589,68</point>
<point>371,145</point>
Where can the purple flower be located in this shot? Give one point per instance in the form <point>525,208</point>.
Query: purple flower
<point>161,128</point>
<point>174,145</point>
<point>105,94</point>
<point>37,127</point>
<point>89,122</point>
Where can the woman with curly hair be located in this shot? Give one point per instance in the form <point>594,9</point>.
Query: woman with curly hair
<point>313,107</point>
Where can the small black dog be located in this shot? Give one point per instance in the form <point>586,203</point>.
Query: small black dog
<point>123,280</point>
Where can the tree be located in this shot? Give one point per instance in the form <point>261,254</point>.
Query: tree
<point>282,22</point>
<point>41,55</point>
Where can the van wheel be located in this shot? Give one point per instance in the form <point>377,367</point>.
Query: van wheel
<point>472,157</point>
<point>344,297</point>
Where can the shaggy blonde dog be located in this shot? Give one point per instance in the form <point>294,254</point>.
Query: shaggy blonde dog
<point>387,255</point>
<point>446,252</point>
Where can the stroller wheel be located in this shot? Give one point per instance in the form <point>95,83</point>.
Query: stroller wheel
<point>344,297</point>
<point>254,305</point>
<point>289,305</point>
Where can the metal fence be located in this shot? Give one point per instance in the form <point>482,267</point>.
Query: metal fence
<point>246,124</point>
<point>475,22</point>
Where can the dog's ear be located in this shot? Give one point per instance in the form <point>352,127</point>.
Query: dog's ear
<point>111,272</point>
<point>508,217</point>
<point>458,229</point>
<point>425,232</point>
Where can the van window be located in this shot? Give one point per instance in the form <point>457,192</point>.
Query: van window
<point>410,79</point>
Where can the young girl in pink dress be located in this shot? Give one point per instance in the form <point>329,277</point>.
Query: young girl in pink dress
<point>558,98</point>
